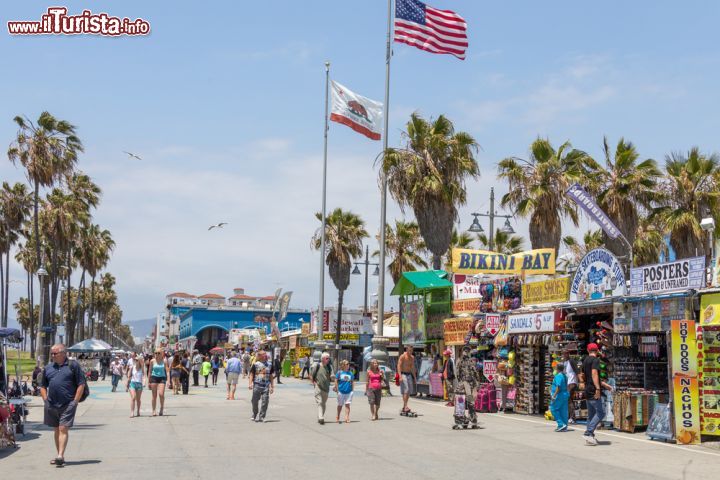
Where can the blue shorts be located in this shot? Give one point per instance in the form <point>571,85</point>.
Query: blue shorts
<point>136,386</point>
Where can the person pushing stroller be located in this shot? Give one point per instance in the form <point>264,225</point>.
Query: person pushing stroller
<point>468,382</point>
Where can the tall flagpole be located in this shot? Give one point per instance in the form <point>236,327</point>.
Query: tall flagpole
<point>321,302</point>
<point>383,197</point>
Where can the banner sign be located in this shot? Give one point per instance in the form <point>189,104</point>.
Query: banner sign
<point>666,277</point>
<point>352,322</point>
<point>599,276</point>
<point>547,291</point>
<point>578,195</point>
<point>468,305</point>
<point>709,380</point>
<point>533,262</point>
<point>465,286</point>
<point>687,410</point>
<point>456,329</point>
<point>535,322</point>
<point>684,348</point>
<point>492,323</point>
<point>710,310</point>
<point>413,322</point>
<point>490,369</point>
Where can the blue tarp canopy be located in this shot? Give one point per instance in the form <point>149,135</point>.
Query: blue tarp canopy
<point>11,334</point>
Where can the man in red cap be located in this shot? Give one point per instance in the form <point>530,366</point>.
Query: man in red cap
<point>593,390</point>
<point>449,377</point>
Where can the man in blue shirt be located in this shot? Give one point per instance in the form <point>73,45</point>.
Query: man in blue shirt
<point>232,370</point>
<point>62,388</point>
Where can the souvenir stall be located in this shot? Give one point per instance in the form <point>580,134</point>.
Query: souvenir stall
<point>425,300</point>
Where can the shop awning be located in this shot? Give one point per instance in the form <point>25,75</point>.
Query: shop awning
<point>416,282</point>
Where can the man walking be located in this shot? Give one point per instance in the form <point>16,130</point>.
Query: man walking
<point>196,362</point>
<point>261,384</point>
<point>116,370</point>
<point>468,378</point>
<point>305,364</point>
<point>408,374</point>
<point>321,377</point>
<point>245,358</point>
<point>593,393</point>
<point>63,384</point>
<point>277,366</point>
<point>104,365</point>
<point>232,371</point>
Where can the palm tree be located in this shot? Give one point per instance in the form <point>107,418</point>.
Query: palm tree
<point>48,151</point>
<point>592,239</point>
<point>649,243</point>
<point>504,242</point>
<point>537,189</point>
<point>25,256</point>
<point>689,193</point>
<point>623,186</point>
<point>93,254</point>
<point>23,314</point>
<point>457,240</point>
<point>429,175</point>
<point>15,204</point>
<point>405,246</point>
<point>344,233</point>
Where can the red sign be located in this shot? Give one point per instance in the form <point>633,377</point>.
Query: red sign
<point>490,369</point>
<point>492,324</point>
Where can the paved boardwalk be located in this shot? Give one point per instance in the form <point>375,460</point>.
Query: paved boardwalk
<point>203,435</point>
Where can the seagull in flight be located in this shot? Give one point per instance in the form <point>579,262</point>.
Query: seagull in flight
<point>132,155</point>
<point>219,225</point>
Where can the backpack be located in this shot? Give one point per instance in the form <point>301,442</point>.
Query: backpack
<point>316,369</point>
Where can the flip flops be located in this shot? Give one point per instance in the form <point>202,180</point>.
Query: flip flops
<point>58,462</point>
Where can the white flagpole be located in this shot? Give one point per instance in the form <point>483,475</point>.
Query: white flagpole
<point>383,197</point>
<point>321,302</point>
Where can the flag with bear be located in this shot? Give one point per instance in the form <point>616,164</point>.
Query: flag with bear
<point>357,112</point>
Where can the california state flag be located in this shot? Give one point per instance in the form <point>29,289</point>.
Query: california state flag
<point>357,112</point>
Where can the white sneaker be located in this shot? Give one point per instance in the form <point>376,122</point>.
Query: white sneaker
<point>252,419</point>
<point>590,441</point>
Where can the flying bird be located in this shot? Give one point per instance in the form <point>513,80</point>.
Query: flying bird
<point>132,155</point>
<point>219,225</point>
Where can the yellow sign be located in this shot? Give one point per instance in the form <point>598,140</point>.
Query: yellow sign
<point>710,310</point>
<point>533,262</point>
<point>467,305</point>
<point>709,380</point>
<point>687,410</point>
<point>546,291</point>
<point>455,330</point>
<point>684,348</point>
<point>305,329</point>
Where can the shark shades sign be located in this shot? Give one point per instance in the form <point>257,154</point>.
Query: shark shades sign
<point>599,276</point>
<point>533,262</point>
<point>586,202</point>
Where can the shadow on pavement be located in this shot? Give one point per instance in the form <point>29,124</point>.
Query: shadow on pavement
<point>87,426</point>
<point>81,462</point>
<point>7,451</point>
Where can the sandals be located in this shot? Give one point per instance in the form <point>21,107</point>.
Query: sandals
<point>58,462</point>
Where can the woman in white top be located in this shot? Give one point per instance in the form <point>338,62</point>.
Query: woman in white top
<point>136,374</point>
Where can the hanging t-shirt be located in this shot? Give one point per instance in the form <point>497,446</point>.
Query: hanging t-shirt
<point>570,372</point>
<point>345,379</point>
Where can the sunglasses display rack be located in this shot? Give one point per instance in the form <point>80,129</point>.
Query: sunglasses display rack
<point>639,361</point>
<point>527,380</point>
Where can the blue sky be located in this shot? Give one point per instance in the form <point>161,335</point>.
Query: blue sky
<point>224,102</point>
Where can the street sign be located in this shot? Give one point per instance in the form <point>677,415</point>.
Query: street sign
<point>47,329</point>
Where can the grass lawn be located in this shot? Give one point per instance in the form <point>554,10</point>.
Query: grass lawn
<point>27,364</point>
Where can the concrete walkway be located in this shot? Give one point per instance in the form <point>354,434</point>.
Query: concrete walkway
<point>203,435</point>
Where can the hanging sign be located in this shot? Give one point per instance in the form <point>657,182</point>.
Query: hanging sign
<point>465,286</point>
<point>687,409</point>
<point>547,291</point>
<point>490,369</point>
<point>413,322</point>
<point>532,262</point>
<point>535,322</point>
<point>684,348</point>
<point>587,203</point>
<point>468,305</point>
<point>599,276</point>
<point>492,323</point>
<point>667,277</point>
<point>710,310</point>
<point>455,330</point>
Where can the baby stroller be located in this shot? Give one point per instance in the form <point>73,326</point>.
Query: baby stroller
<point>464,414</point>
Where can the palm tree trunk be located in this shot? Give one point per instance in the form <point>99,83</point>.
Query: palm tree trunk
<point>81,311</point>
<point>338,327</point>
<point>31,311</point>
<point>91,320</point>
<point>437,262</point>
<point>7,284</point>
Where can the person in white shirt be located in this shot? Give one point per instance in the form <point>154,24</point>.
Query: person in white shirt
<point>572,381</point>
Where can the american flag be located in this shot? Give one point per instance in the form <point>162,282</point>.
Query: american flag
<point>430,29</point>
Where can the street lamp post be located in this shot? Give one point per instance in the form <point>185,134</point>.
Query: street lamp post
<point>61,325</point>
<point>356,271</point>
<point>44,338</point>
<point>492,214</point>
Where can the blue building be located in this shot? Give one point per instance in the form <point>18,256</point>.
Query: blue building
<point>204,327</point>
